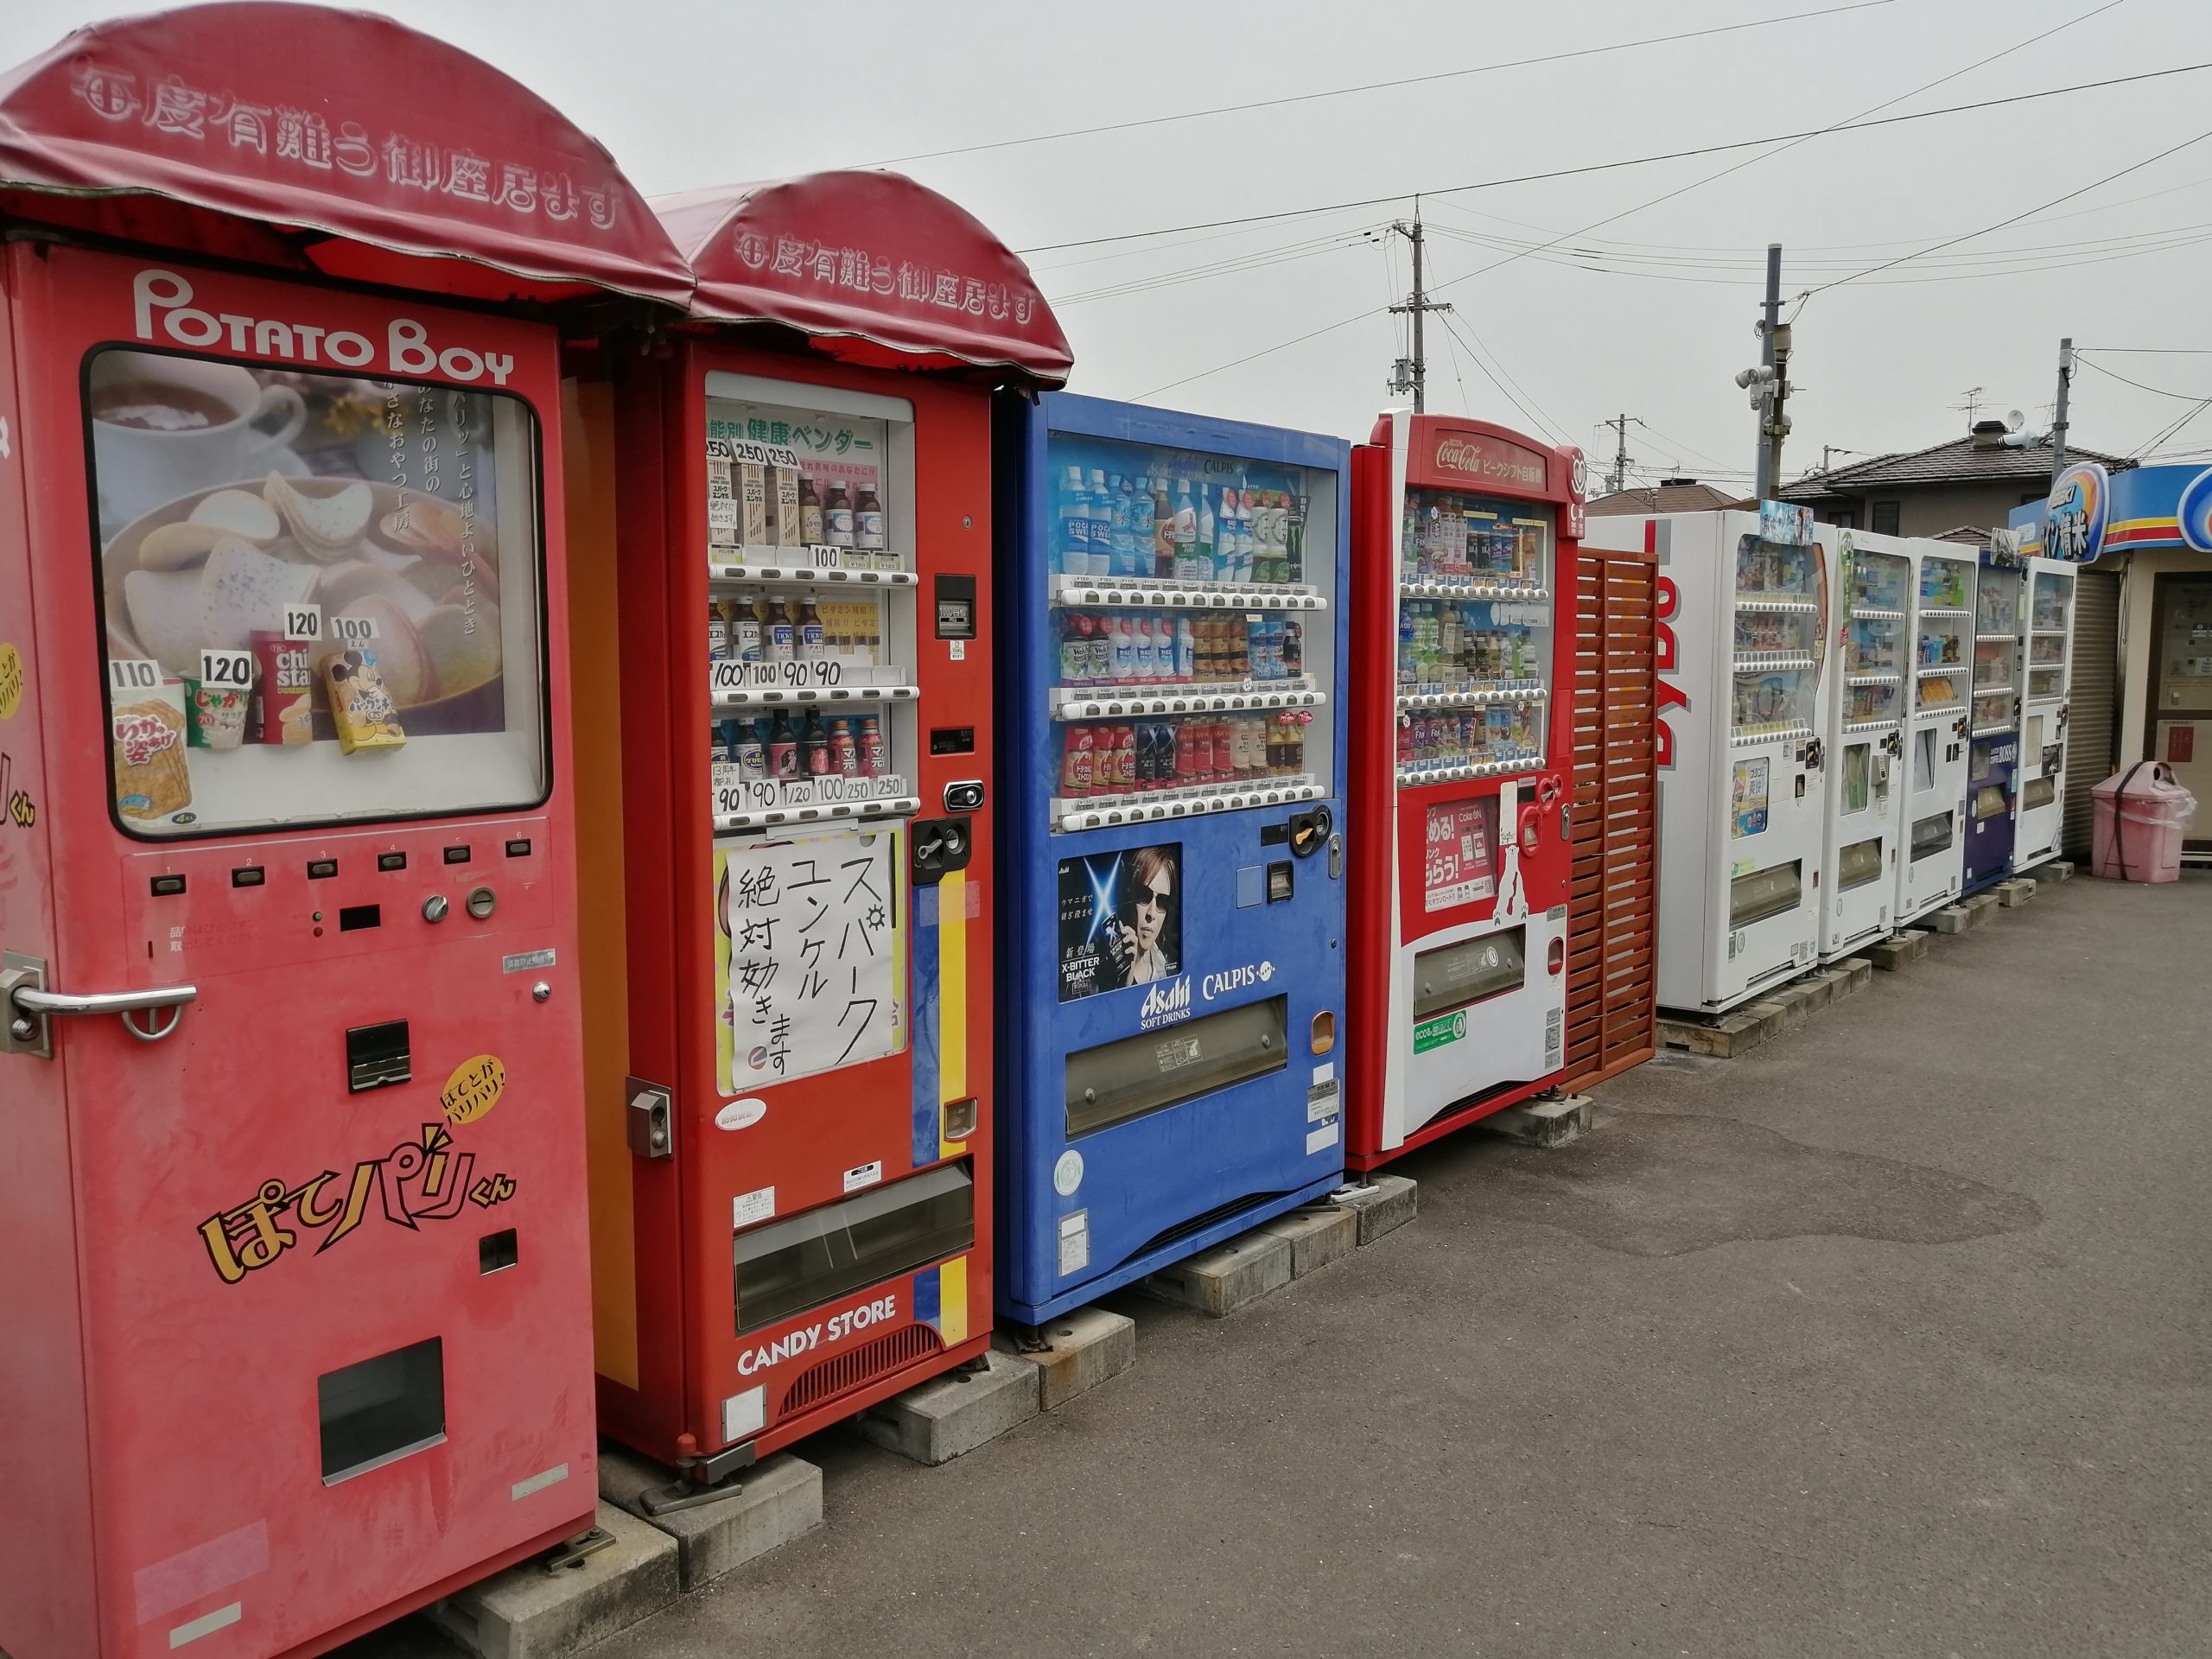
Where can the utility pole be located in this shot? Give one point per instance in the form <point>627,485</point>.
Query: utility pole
<point>1411,374</point>
<point>1769,383</point>
<point>2058,425</point>
<point>1617,481</point>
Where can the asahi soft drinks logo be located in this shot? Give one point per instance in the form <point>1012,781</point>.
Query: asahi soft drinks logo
<point>1167,1002</point>
<point>161,308</point>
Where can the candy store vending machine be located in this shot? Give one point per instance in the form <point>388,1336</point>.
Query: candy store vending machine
<point>2041,777</point>
<point>1172,754</point>
<point>1743,772</point>
<point>1462,753</point>
<point>1866,738</point>
<point>1936,735</point>
<point>793,1173</point>
<point>1993,720</point>
<point>297,1304</point>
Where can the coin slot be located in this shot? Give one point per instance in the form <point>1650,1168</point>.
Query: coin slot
<point>352,919</point>
<point>496,1250</point>
<point>248,875</point>
<point>168,886</point>
<point>392,860</point>
<point>457,854</point>
<point>321,869</point>
<point>519,848</point>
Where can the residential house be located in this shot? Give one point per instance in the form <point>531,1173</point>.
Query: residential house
<point>1975,481</point>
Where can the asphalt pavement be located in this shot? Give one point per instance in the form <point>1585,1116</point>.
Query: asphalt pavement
<point>1887,1338</point>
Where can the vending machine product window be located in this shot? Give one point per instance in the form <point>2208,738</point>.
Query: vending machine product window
<point>1779,637</point>
<point>1942,651</point>
<point>811,622</point>
<point>1474,633</point>
<point>1858,777</point>
<point>1930,836</point>
<point>1188,633</point>
<point>340,619</point>
<point>803,1261</point>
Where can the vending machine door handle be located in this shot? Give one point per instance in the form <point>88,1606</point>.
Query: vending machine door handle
<point>29,1005</point>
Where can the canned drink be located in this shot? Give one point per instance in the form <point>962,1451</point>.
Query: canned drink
<point>1125,757</point>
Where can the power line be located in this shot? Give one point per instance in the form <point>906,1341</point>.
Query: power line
<point>2149,351</point>
<point>1384,86</point>
<point>1903,258</point>
<point>2171,430</point>
<point>1791,141</point>
<point>2179,397</point>
<point>1854,125</point>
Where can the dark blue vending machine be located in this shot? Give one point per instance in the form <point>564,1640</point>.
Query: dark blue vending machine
<point>1172,744</point>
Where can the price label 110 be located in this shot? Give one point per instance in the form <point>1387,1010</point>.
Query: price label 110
<point>232,670</point>
<point>133,674</point>
<point>303,621</point>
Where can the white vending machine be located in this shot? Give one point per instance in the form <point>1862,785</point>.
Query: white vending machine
<point>1941,592</point>
<point>1866,727</point>
<point>2041,779</point>
<point>1742,794</point>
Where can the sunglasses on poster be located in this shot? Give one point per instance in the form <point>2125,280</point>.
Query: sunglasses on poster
<point>1157,898</point>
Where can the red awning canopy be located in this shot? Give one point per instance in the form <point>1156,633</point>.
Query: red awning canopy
<point>336,141</point>
<point>875,268</point>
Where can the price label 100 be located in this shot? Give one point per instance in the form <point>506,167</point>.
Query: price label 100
<point>353,630</point>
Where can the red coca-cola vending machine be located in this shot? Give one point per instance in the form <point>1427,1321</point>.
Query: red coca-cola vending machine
<point>788,503</point>
<point>296,1306</point>
<point>1464,537</point>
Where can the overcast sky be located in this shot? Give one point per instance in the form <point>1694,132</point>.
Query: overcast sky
<point>1654,319</point>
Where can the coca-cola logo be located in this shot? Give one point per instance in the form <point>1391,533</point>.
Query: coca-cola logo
<point>1474,458</point>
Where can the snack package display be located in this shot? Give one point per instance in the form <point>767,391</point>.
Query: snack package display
<point>284,683</point>
<point>722,496</point>
<point>217,715</point>
<point>752,504</point>
<point>788,515</point>
<point>153,778</point>
<point>360,708</point>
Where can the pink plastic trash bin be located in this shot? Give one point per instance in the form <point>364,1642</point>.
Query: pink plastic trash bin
<point>2142,815</point>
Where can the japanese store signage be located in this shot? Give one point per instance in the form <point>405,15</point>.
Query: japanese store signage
<point>1490,460</point>
<point>807,958</point>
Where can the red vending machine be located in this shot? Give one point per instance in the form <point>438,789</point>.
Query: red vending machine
<point>1464,536</point>
<point>792,1051</point>
<point>294,1328</point>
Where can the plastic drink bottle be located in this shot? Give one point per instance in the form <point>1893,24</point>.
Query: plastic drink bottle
<point>1125,651</point>
<point>1077,757</point>
<point>1075,647</point>
<point>1145,657</point>
<point>1204,561</point>
<point>1185,532</point>
<point>1186,650</point>
<point>872,755</point>
<point>1163,530</point>
<point>1075,525</point>
<point>1125,544</point>
<point>812,645</point>
<point>1141,529</point>
<point>845,751</point>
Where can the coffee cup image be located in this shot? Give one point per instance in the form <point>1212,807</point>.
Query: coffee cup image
<point>162,424</point>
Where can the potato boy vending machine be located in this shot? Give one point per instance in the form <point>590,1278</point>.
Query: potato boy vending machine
<point>1864,724</point>
<point>1941,588</point>
<point>791,1088</point>
<point>1465,537</point>
<point>2000,606</point>
<point>296,1304</point>
<point>1172,744</point>
<point>1743,780</point>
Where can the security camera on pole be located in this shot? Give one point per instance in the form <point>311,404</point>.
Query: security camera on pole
<point>1769,383</point>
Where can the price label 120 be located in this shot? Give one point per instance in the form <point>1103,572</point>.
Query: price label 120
<point>231,669</point>
<point>303,621</point>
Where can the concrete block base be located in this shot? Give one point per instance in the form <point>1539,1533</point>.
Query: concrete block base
<point>1819,990</point>
<point>1382,1203</point>
<point>1900,949</point>
<point>1220,1281</point>
<point>1544,1122</point>
<point>936,1421</point>
<point>1082,1348</point>
<point>777,1499</point>
<point>2057,870</point>
<point>1952,918</point>
<point>1317,1237</point>
<point>1980,909</point>
<point>526,1613</point>
<point>1859,974</point>
<point>1723,1037</point>
<point>2014,894</point>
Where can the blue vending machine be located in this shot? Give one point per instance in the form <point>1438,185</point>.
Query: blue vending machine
<point>1993,767</point>
<point>1172,776</point>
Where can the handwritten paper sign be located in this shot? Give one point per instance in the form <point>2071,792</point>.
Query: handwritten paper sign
<point>809,954</point>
